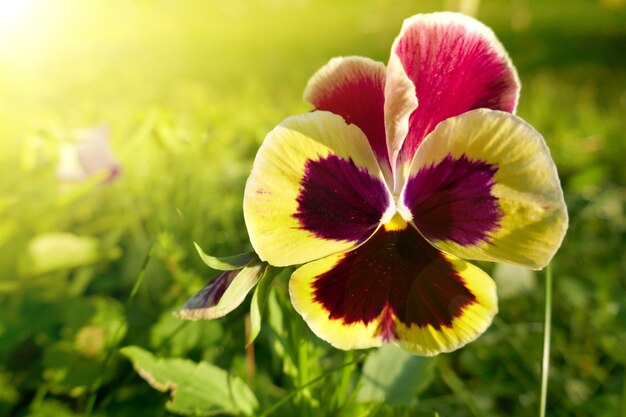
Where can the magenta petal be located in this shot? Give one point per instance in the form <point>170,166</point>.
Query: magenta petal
<point>456,64</point>
<point>353,87</point>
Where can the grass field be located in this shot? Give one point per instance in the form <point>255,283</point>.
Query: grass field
<point>188,90</point>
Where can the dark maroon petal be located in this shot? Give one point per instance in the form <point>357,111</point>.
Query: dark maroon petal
<point>339,200</point>
<point>397,273</point>
<point>453,201</point>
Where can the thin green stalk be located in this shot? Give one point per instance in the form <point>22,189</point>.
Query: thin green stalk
<point>458,387</point>
<point>95,386</point>
<point>40,395</point>
<point>108,397</point>
<point>314,381</point>
<point>303,374</point>
<point>624,398</point>
<point>303,359</point>
<point>545,365</point>
<point>344,383</point>
<point>91,400</point>
<point>142,272</point>
<point>168,339</point>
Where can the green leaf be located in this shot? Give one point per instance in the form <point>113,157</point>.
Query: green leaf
<point>178,338</point>
<point>8,391</point>
<point>69,372</point>
<point>278,311</point>
<point>222,294</point>
<point>196,388</point>
<point>394,376</point>
<point>51,408</point>
<point>228,263</point>
<point>57,251</point>
<point>97,324</point>
<point>259,300</point>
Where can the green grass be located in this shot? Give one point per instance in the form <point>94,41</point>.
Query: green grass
<point>189,89</point>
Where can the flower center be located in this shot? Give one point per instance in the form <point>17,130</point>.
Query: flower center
<point>396,223</point>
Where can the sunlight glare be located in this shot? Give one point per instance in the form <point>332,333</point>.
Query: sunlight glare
<point>28,28</point>
<point>15,13</point>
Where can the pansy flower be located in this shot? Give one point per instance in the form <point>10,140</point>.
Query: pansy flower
<point>397,175</point>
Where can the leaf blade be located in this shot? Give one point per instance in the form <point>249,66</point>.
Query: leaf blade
<point>196,388</point>
<point>394,376</point>
<point>259,300</point>
<point>226,263</point>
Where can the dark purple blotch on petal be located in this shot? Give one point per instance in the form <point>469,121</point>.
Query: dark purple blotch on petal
<point>395,272</point>
<point>453,200</point>
<point>213,291</point>
<point>339,200</point>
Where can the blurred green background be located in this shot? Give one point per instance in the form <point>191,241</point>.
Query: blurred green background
<point>188,90</point>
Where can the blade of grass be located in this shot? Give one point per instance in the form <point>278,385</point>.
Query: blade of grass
<point>623,405</point>
<point>545,365</point>
<point>142,272</point>
<point>314,381</point>
<point>95,386</point>
<point>250,365</point>
<point>458,387</point>
<point>40,395</point>
<point>339,398</point>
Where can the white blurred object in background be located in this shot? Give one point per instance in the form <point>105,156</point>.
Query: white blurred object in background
<point>90,154</point>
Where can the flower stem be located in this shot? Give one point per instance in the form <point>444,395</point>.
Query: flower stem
<point>95,385</point>
<point>545,366</point>
<point>458,387</point>
<point>303,361</point>
<point>313,381</point>
<point>341,392</point>
<point>142,271</point>
<point>250,366</point>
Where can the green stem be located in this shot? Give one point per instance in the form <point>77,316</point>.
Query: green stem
<point>624,398</point>
<point>108,397</point>
<point>142,272</point>
<point>314,381</point>
<point>168,339</point>
<point>91,401</point>
<point>545,365</point>
<point>303,373</point>
<point>344,383</point>
<point>95,386</point>
<point>303,359</point>
<point>458,387</point>
<point>40,395</point>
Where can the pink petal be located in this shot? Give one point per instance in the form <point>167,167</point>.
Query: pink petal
<point>94,152</point>
<point>456,64</point>
<point>400,102</point>
<point>353,87</point>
